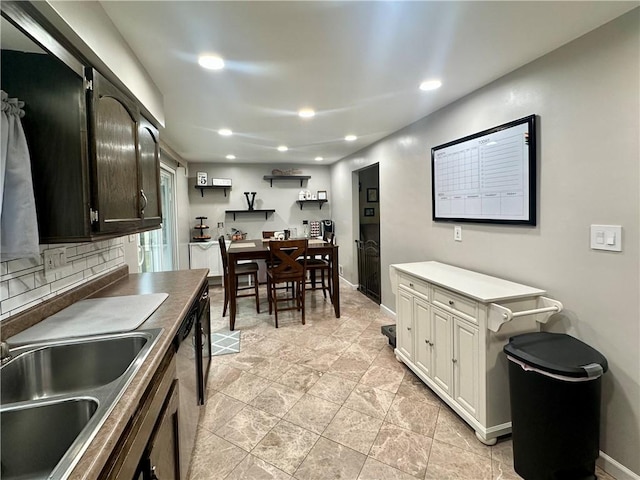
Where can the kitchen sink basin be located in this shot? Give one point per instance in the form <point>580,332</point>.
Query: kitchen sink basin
<point>68,367</point>
<point>47,431</point>
<point>55,396</point>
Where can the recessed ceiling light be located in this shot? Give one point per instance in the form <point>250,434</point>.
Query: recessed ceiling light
<point>430,85</point>
<point>225,132</point>
<point>350,138</point>
<point>230,157</point>
<point>211,62</point>
<point>306,113</point>
<point>319,159</point>
<point>283,148</point>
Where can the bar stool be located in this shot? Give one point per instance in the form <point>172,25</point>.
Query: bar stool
<point>250,269</point>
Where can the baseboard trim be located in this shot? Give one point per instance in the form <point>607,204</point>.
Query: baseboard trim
<point>615,469</point>
<point>351,285</point>
<point>387,311</point>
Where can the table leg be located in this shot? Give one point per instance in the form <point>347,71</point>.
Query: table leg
<point>232,292</point>
<point>335,280</point>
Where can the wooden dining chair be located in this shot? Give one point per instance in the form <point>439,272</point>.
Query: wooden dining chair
<point>284,267</point>
<point>250,269</point>
<point>321,264</point>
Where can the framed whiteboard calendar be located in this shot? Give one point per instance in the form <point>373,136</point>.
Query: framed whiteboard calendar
<point>487,177</point>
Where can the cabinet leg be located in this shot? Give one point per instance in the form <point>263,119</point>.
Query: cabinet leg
<point>487,441</point>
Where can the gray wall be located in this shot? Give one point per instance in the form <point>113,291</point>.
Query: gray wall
<point>249,178</point>
<point>586,95</point>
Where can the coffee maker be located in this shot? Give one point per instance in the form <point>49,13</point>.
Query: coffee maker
<point>327,226</point>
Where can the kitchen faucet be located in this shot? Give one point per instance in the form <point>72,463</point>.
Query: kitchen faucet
<point>5,354</point>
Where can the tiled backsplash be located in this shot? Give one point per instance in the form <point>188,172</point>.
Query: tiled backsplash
<point>23,282</point>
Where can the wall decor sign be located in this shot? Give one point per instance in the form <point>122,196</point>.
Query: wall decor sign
<point>201,178</point>
<point>322,195</point>
<point>369,212</point>
<point>372,195</point>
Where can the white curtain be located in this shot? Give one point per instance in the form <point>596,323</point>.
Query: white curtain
<point>18,221</point>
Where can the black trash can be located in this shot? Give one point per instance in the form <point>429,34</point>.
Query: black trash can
<point>554,387</point>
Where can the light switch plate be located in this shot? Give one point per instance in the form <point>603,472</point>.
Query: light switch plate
<point>606,237</point>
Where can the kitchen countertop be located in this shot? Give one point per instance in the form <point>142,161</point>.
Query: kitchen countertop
<point>182,287</point>
<point>481,287</point>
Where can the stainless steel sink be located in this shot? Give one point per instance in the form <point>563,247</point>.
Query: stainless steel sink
<point>55,396</point>
<point>68,367</point>
<point>48,430</point>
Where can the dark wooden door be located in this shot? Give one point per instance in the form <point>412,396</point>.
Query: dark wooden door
<point>116,193</point>
<point>149,161</point>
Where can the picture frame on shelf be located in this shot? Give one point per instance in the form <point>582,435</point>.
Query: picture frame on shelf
<point>372,195</point>
<point>201,178</point>
<point>322,195</point>
<point>369,212</point>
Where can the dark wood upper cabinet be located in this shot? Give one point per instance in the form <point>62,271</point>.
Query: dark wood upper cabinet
<point>94,157</point>
<point>149,155</point>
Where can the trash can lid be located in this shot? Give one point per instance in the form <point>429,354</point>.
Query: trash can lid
<point>557,353</point>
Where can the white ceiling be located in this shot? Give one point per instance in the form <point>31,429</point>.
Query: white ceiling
<point>358,64</point>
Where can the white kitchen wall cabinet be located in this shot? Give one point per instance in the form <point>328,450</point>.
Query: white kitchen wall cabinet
<point>445,337</point>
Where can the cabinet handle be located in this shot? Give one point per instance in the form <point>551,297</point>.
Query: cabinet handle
<point>426,341</point>
<point>431,344</point>
<point>409,328</point>
<point>451,302</point>
<point>144,197</point>
<point>454,360</point>
<point>411,285</point>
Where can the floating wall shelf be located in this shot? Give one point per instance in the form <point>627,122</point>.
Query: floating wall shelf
<point>212,187</point>
<point>234,212</point>
<point>271,178</point>
<point>319,202</point>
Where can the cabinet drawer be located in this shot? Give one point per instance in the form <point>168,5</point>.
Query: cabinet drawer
<point>457,304</point>
<point>414,284</point>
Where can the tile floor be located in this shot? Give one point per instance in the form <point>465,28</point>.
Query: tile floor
<point>328,400</point>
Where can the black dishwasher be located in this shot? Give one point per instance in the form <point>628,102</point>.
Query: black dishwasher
<point>193,359</point>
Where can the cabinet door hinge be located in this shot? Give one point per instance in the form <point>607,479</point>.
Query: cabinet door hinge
<point>93,215</point>
<point>88,84</point>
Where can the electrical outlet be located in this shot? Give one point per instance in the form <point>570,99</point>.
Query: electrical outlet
<point>55,259</point>
<point>457,233</point>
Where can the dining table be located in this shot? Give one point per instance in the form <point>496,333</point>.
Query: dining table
<point>258,249</point>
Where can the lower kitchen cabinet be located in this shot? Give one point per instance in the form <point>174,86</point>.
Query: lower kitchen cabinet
<point>464,363</point>
<point>405,322</point>
<point>206,255</point>
<point>148,449</point>
<point>443,336</point>
<point>163,454</point>
<point>423,332</point>
<point>440,345</point>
